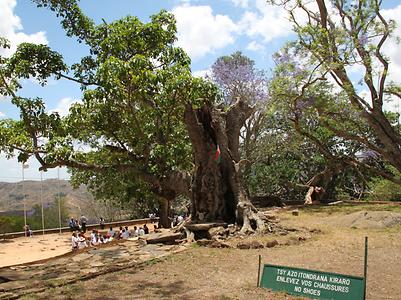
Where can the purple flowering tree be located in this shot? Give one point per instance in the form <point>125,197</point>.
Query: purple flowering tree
<point>337,38</point>
<point>217,191</point>
<point>238,78</point>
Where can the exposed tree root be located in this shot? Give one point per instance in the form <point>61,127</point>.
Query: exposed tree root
<point>252,219</point>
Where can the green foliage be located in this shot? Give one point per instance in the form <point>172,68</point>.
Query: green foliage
<point>11,224</point>
<point>37,61</point>
<point>127,133</point>
<point>329,47</point>
<point>384,190</point>
<point>51,217</point>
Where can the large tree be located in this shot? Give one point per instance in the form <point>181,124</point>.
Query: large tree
<point>334,38</point>
<point>142,114</point>
<point>303,102</point>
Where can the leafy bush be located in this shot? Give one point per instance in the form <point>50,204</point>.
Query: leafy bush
<point>384,190</point>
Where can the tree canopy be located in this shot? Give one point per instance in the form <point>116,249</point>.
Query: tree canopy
<point>145,126</point>
<point>333,39</point>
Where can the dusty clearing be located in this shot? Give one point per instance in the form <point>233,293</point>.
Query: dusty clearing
<point>207,273</point>
<point>29,249</point>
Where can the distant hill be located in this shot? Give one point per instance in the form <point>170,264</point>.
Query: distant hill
<point>12,195</point>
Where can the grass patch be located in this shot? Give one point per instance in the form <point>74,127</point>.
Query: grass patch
<point>346,208</point>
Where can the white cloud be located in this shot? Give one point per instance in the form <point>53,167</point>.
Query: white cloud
<point>267,21</point>
<point>202,73</point>
<point>255,46</point>
<point>391,48</point>
<point>63,106</point>
<point>11,28</point>
<point>2,115</point>
<point>200,32</point>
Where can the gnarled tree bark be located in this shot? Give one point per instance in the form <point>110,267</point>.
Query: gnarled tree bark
<point>217,193</point>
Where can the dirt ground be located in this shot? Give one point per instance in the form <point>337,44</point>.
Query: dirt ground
<point>208,273</point>
<point>29,249</point>
<point>38,247</point>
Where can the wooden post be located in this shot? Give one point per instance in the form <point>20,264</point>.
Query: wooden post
<point>260,260</point>
<point>365,267</point>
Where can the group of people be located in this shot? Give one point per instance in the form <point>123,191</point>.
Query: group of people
<point>80,225</point>
<point>178,219</point>
<point>79,241</point>
<point>28,231</point>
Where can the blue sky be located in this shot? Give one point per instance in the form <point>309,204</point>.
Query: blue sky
<point>206,30</point>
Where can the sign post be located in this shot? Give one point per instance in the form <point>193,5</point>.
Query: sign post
<point>315,284</point>
<point>260,261</point>
<point>365,267</point>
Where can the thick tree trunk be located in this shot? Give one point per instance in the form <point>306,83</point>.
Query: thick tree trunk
<point>165,220</point>
<point>217,194</point>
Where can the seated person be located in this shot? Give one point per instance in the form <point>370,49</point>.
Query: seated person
<point>108,238</point>
<point>146,229</point>
<point>74,241</point>
<point>94,238</point>
<point>125,234</point>
<point>101,239</point>
<point>141,231</point>
<point>180,219</point>
<point>111,232</point>
<point>82,241</point>
<point>120,232</point>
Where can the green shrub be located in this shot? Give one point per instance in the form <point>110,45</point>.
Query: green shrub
<point>384,190</point>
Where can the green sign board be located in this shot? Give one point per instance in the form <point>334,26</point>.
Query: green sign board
<point>312,284</point>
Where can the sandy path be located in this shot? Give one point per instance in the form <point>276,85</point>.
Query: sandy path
<point>29,249</point>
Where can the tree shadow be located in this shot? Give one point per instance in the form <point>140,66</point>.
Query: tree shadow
<point>145,289</point>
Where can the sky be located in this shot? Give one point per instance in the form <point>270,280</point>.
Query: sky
<point>207,29</point>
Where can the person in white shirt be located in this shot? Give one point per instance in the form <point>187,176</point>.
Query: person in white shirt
<point>141,231</point>
<point>180,219</point>
<point>125,234</point>
<point>74,241</point>
<point>82,241</point>
<point>94,238</point>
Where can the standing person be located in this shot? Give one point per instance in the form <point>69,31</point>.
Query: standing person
<point>101,222</point>
<point>83,223</point>
<point>71,224</point>
<point>77,226</point>
<point>27,230</point>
